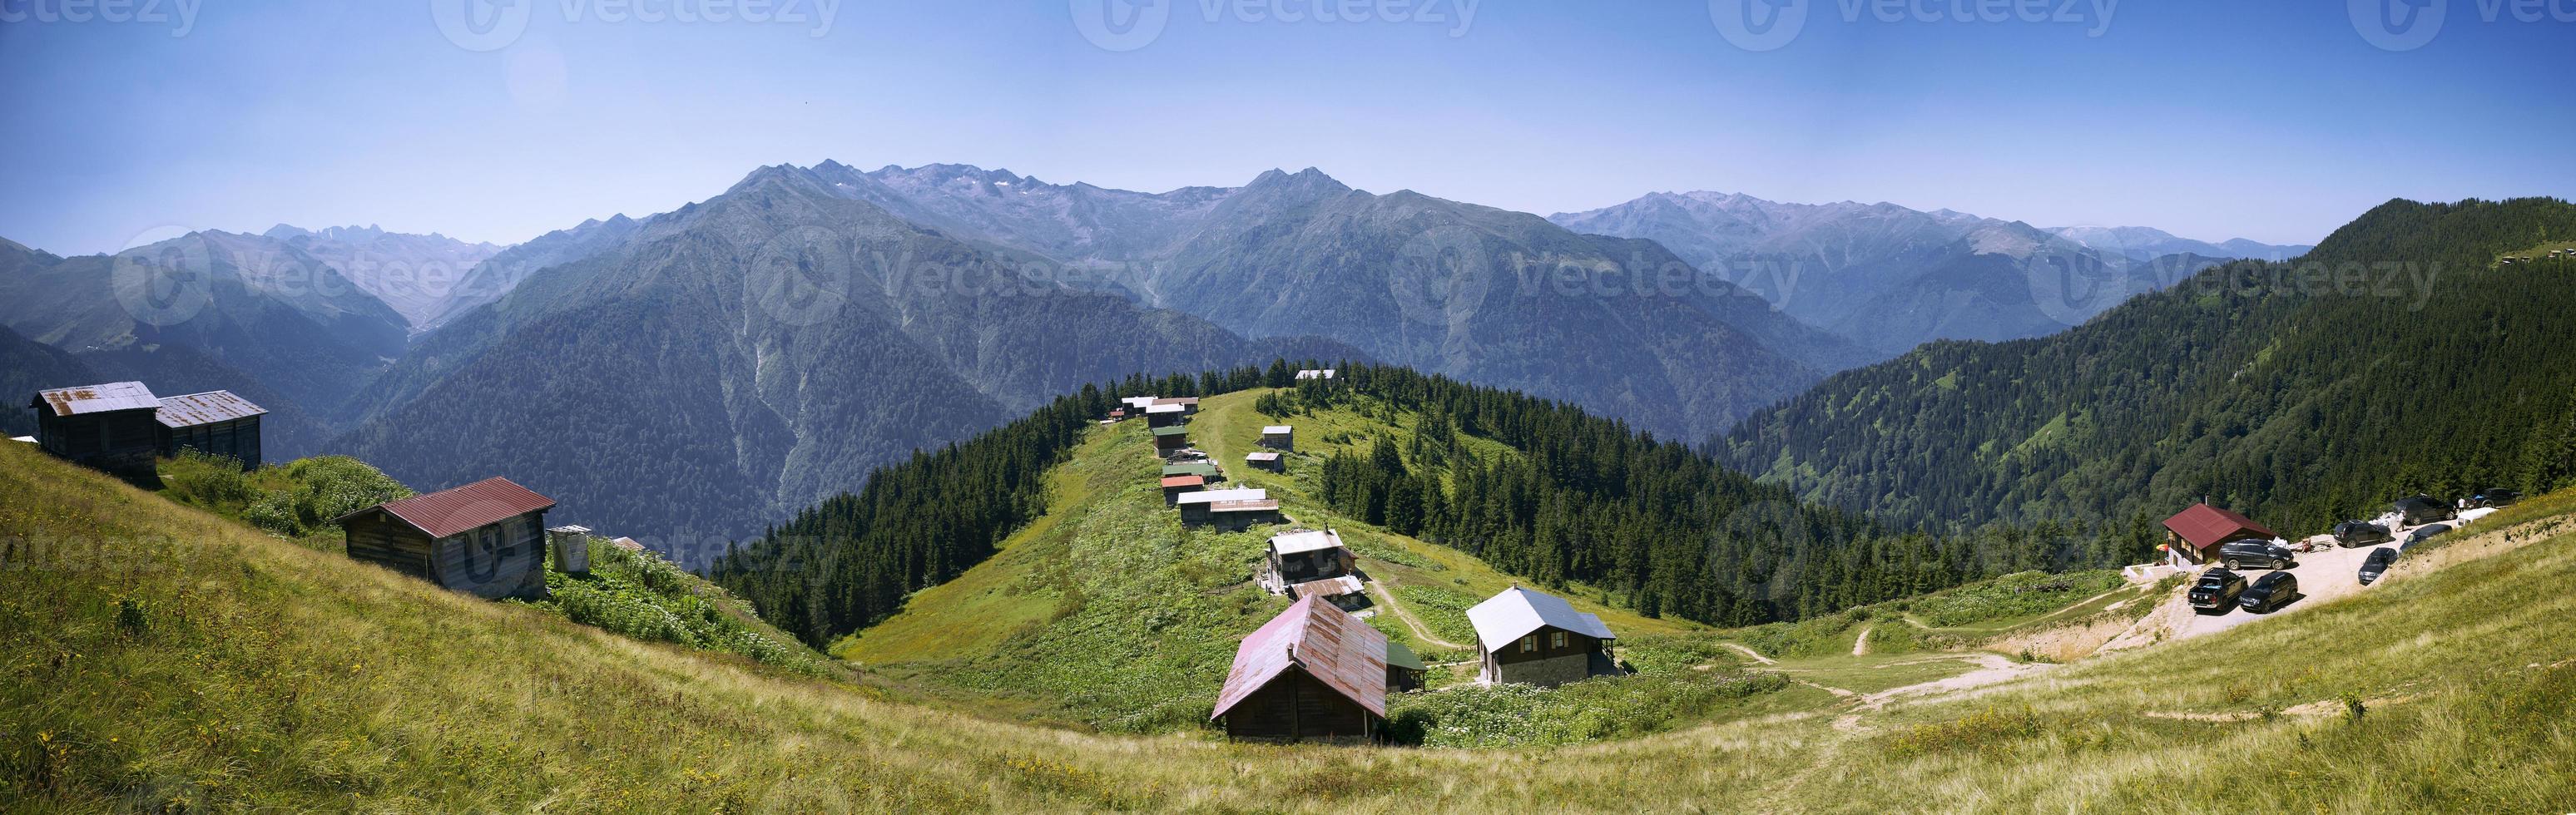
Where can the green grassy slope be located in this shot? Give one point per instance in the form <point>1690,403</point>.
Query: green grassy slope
<point>151,654</point>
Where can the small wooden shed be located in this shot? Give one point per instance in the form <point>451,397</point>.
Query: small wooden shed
<point>1279,437</point>
<point>1173,439</point>
<point>1166,415</point>
<point>1174,486</point>
<point>1313,673</point>
<point>1305,555</point>
<point>1189,404</point>
<point>215,422</point>
<point>1265,461</point>
<point>108,427</point>
<point>486,538</point>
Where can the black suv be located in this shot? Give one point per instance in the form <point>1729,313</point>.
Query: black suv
<point>2377,565</point>
<point>2490,499</point>
<point>2273,591</point>
<point>2425,534</point>
<point>2357,534</point>
<point>2239,554</point>
<point>2217,590</point>
<point>2423,509</point>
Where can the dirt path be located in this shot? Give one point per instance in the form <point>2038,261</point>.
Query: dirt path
<point>1396,607</point>
<point>1860,646</point>
<point>1756,655</point>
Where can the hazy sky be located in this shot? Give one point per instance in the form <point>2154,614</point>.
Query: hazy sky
<point>2276,121</point>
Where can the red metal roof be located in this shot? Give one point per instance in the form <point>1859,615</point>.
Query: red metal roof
<point>1325,642</point>
<point>1183,481</point>
<point>2204,526</point>
<point>450,511</point>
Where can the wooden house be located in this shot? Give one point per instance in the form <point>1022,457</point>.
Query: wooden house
<point>1189,405</point>
<point>1313,673</point>
<point>1279,437</point>
<point>2194,535</point>
<point>1404,669</point>
<point>571,545</point>
<point>1232,510</point>
<point>1265,461</point>
<point>110,427</point>
<point>486,538</point>
<point>1166,415</point>
<point>215,422</point>
<point>1174,486</point>
<point>1169,441</point>
<point>1305,555</point>
<point>1536,638</point>
<point>1345,592</point>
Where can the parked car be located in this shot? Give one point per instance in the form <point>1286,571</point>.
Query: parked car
<point>2273,591</point>
<point>2493,498</point>
<point>2217,589</point>
<point>2423,509</point>
<point>2266,554</point>
<point>2357,534</point>
<point>2424,534</point>
<point>2377,564</point>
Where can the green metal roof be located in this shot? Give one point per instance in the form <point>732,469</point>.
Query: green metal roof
<point>1190,469</point>
<point>1174,430</point>
<point>1402,657</point>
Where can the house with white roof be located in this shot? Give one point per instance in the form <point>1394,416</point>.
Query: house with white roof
<point>1539,639</point>
<point>1305,556</point>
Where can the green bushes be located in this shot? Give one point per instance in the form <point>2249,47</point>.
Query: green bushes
<point>640,595</point>
<point>1593,710</point>
<point>2017,595</point>
<point>297,499</point>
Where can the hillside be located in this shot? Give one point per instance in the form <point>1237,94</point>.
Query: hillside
<point>2406,362</point>
<point>224,669</point>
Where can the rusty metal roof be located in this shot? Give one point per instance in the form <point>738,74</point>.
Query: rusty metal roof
<point>1184,481</point>
<point>1183,400</point>
<point>1325,642</point>
<point>1238,494</point>
<point>2204,526</point>
<point>1327,587</point>
<point>450,511</point>
<point>86,399</point>
<point>206,408</point>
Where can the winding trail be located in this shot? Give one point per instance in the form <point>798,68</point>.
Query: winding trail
<point>1860,646</point>
<point>1396,607</point>
<point>1756,655</point>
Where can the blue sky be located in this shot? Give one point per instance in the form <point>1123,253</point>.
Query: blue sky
<point>2274,121</point>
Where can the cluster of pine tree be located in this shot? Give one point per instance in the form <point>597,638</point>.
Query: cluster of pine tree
<point>2398,357</point>
<point>852,559</point>
<point>1667,529</point>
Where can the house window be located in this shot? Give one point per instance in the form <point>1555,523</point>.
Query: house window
<point>1556,640</point>
<point>1529,643</point>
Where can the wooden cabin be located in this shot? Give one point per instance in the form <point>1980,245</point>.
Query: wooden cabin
<point>1230,510</point>
<point>1265,461</point>
<point>1174,486</point>
<point>1189,404</point>
<point>1166,415</point>
<point>1279,437</point>
<point>1313,673</point>
<point>215,423</point>
<point>1536,638</point>
<point>1404,669</point>
<point>1171,440</point>
<point>571,545</point>
<point>111,427</point>
<point>486,538</point>
<point>1198,468</point>
<point>1345,592</point>
<point>2194,535</point>
<point>1305,555</point>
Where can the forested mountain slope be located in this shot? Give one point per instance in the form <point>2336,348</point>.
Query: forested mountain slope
<point>2396,357</point>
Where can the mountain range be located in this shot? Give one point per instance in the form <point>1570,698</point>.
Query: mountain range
<point>1890,278</point>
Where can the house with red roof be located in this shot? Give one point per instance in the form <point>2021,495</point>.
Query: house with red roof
<point>1312,673</point>
<point>486,538</point>
<point>2194,534</point>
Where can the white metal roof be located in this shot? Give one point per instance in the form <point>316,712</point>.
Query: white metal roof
<point>1297,542</point>
<point>101,398</point>
<point>1517,611</point>
<point>1277,430</point>
<point>1261,456</point>
<point>1213,496</point>
<point>1166,408</point>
